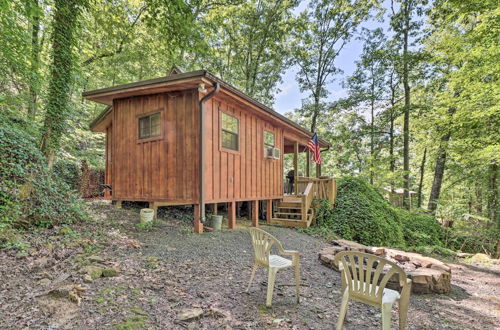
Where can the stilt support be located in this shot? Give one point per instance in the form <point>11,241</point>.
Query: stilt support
<point>255,213</point>
<point>198,226</point>
<point>154,206</point>
<point>269,210</point>
<point>231,215</point>
<point>118,204</point>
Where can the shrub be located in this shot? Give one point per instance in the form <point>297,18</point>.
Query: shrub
<point>420,229</point>
<point>69,171</point>
<point>363,215</point>
<point>31,194</point>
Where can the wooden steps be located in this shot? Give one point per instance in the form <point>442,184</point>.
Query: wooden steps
<point>289,213</point>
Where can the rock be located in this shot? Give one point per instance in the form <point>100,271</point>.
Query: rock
<point>44,282</point>
<point>71,292</point>
<point>109,272</point>
<point>41,262</point>
<point>480,258</point>
<point>378,251</point>
<point>189,314</point>
<point>429,275</point>
<point>96,259</point>
<point>87,278</point>
<point>93,271</point>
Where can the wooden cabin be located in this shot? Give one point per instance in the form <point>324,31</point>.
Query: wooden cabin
<point>192,139</point>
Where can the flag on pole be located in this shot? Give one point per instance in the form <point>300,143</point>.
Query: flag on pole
<point>313,146</point>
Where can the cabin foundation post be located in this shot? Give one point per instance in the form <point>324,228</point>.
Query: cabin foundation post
<point>255,213</point>
<point>118,204</point>
<point>214,209</point>
<point>269,210</point>
<point>198,225</point>
<point>231,215</point>
<point>154,206</point>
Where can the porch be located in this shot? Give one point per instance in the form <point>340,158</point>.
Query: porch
<point>296,209</point>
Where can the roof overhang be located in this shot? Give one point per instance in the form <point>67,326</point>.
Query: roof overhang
<point>175,82</point>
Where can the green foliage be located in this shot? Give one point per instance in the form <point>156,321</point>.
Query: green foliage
<point>420,229</point>
<point>363,215</point>
<point>68,171</point>
<point>30,193</point>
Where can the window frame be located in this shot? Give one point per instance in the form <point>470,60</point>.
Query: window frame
<point>149,114</point>
<point>265,145</point>
<point>221,130</point>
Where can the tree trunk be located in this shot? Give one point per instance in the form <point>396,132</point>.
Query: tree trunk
<point>438,173</point>
<point>406,122</point>
<point>372,129</point>
<point>421,182</point>
<point>314,117</point>
<point>493,205</point>
<point>63,25</point>
<point>35,57</point>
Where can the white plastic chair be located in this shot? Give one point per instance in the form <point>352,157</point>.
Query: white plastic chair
<point>365,284</point>
<point>262,243</point>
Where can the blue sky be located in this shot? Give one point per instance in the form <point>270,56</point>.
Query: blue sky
<point>290,97</point>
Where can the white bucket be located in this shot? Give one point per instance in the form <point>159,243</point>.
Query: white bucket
<point>147,215</point>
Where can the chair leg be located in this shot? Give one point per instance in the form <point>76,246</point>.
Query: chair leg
<point>270,286</point>
<point>297,282</point>
<point>252,276</point>
<point>343,309</point>
<point>403,313</point>
<point>386,316</point>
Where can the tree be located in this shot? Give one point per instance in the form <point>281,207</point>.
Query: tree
<point>325,30</point>
<point>368,85</point>
<point>33,11</point>
<point>249,44</point>
<point>61,69</point>
<point>402,21</point>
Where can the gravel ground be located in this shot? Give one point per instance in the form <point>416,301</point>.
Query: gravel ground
<point>166,270</point>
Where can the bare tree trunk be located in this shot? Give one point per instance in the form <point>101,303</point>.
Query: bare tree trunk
<point>35,58</point>
<point>421,182</point>
<point>372,129</point>
<point>493,213</point>
<point>438,173</point>
<point>406,122</point>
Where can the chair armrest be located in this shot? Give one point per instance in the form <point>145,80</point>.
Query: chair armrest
<point>295,255</point>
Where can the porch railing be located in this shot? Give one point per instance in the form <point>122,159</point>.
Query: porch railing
<point>321,188</point>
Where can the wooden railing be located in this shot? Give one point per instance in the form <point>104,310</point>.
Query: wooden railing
<point>307,199</point>
<point>322,188</point>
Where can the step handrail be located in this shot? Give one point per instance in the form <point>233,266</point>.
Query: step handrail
<point>307,199</point>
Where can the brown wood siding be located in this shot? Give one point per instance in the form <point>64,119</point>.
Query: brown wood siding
<point>245,174</point>
<point>159,169</point>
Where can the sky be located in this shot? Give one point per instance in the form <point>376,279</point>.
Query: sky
<point>290,97</point>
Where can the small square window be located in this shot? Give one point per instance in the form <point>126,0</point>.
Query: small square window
<point>269,140</point>
<point>229,132</point>
<point>149,126</point>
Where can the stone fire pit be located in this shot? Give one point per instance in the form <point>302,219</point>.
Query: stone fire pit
<point>429,275</point>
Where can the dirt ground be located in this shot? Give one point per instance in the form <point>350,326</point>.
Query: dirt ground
<point>166,270</point>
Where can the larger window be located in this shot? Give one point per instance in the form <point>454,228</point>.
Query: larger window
<point>229,132</point>
<point>149,126</point>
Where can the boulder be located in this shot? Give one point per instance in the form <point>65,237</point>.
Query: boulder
<point>191,314</point>
<point>429,275</point>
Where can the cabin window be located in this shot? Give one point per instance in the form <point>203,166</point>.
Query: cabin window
<point>269,139</point>
<point>149,126</point>
<point>230,132</point>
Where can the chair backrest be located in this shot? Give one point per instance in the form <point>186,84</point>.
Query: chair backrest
<point>262,243</point>
<point>366,275</point>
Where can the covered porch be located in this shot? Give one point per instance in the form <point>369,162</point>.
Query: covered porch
<point>303,183</point>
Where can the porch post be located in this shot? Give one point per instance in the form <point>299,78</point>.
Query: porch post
<point>198,225</point>
<point>318,170</point>
<point>295,167</point>
<point>231,215</point>
<point>255,213</point>
<point>308,163</point>
<point>269,210</point>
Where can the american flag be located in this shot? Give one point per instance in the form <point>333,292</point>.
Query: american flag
<point>313,145</point>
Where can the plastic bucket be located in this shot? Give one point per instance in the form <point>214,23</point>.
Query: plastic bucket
<point>147,215</point>
<point>217,222</point>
